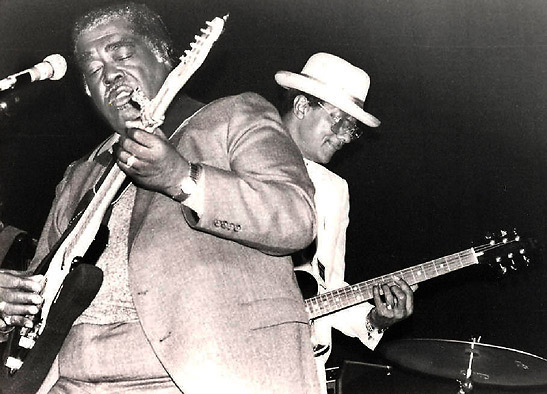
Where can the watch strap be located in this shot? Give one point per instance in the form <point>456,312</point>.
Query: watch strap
<point>194,172</point>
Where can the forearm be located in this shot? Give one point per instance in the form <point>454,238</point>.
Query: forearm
<point>276,216</point>
<point>254,178</point>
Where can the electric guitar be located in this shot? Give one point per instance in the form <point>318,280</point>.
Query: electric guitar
<point>507,248</point>
<point>72,279</point>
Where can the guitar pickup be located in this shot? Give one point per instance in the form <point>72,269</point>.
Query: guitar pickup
<point>14,364</point>
<point>26,343</point>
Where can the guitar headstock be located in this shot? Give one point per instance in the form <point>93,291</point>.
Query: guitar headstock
<point>152,111</point>
<point>203,43</point>
<point>506,251</point>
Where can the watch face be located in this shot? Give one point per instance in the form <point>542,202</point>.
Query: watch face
<point>188,185</point>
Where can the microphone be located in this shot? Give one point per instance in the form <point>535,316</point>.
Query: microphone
<point>53,67</point>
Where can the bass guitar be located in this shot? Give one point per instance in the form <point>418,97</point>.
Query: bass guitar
<point>72,279</point>
<point>507,251</point>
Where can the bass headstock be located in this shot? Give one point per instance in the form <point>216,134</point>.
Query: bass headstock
<point>507,251</point>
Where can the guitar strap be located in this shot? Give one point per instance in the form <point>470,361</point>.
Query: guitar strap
<point>182,108</point>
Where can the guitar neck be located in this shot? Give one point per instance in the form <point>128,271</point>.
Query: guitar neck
<point>335,300</point>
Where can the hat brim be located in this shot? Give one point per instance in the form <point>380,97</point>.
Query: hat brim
<point>320,90</point>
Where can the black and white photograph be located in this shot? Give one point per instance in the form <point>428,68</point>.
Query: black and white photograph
<point>273,196</point>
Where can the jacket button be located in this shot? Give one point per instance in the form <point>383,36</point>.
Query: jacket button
<point>216,222</point>
<point>237,228</point>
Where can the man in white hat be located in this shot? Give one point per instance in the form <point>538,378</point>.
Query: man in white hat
<point>322,112</point>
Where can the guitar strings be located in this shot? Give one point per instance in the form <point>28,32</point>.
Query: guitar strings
<point>353,294</point>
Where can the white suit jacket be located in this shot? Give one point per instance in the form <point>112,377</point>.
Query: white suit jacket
<point>332,207</point>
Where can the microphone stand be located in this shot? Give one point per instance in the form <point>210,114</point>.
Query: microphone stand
<point>10,81</point>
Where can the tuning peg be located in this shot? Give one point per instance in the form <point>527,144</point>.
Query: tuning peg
<point>524,258</point>
<point>514,235</point>
<point>502,269</point>
<point>513,265</point>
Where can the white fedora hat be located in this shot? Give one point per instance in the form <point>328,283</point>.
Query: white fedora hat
<point>334,80</point>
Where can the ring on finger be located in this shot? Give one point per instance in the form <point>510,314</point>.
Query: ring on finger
<point>130,161</point>
<point>7,320</point>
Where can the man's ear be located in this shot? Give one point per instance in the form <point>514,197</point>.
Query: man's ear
<point>87,91</point>
<point>300,106</point>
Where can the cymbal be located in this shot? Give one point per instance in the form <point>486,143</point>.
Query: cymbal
<point>491,365</point>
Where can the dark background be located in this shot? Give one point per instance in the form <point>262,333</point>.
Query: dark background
<point>461,90</point>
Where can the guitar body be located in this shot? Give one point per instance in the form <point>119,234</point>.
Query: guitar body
<point>79,289</point>
<point>307,283</point>
<point>310,287</point>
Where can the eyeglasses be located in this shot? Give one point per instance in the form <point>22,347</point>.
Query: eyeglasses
<point>342,125</point>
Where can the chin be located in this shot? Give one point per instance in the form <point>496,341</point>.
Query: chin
<point>323,160</point>
<point>118,118</point>
<point>326,158</point>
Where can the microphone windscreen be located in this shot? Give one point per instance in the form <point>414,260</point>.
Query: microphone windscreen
<point>58,67</point>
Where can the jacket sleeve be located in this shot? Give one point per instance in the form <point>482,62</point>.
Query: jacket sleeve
<point>262,196</point>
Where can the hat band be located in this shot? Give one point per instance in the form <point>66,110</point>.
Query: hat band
<point>355,100</point>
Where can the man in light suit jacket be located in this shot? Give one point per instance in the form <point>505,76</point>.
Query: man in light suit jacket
<point>322,112</point>
<point>199,294</point>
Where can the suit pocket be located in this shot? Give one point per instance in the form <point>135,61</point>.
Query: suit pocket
<point>274,311</point>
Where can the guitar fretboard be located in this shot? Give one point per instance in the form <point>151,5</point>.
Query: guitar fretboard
<point>342,298</point>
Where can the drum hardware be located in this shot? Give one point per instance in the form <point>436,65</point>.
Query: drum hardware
<point>468,363</point>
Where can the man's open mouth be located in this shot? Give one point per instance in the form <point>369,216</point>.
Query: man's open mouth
<point>120,97</point>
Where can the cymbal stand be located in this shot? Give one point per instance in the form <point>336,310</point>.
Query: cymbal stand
<point>466,386</point>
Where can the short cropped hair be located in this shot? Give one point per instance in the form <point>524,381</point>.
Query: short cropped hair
<point>146,23</point>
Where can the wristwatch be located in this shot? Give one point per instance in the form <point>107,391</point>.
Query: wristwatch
<point>371,329</point>
<point>188,183</point>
